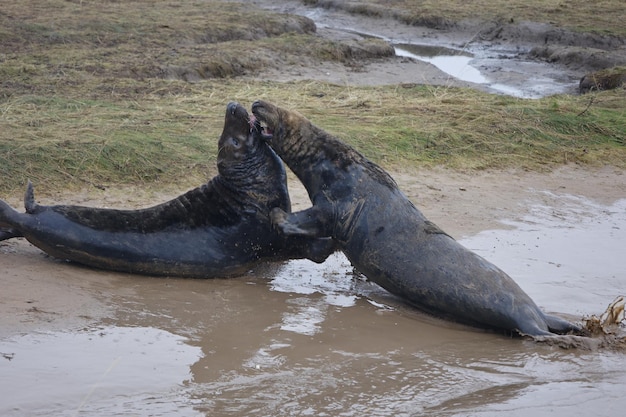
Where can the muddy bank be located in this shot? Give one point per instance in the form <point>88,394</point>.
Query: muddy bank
<point>524,59</point>
<point>513,31</point>
<point>305,339</point>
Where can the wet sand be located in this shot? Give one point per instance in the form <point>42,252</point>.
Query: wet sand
<point>306,339</point>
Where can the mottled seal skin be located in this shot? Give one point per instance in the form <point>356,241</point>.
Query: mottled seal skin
<point>387,238</point>
<point>219,229</point>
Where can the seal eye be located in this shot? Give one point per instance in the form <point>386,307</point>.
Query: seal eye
<point>235,141</point>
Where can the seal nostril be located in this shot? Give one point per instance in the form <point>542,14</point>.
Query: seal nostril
<point>256,105</point>
<point>231,107</point>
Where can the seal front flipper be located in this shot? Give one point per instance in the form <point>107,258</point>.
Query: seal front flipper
<point>309,222</point>
<point>320,248</point>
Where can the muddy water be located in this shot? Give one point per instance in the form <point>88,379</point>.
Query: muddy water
<point>305,339</point>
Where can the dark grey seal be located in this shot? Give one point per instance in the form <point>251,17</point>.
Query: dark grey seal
<point>387,238</point>
<point>220,229</point>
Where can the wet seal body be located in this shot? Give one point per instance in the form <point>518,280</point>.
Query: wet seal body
<point>387,238</point>
<point>219,229</point>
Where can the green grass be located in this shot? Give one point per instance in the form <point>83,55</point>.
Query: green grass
<point>85,98</point>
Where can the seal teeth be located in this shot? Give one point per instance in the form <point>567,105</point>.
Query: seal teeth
<point>266,132</point>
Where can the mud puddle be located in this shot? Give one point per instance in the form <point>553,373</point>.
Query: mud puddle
<point>453,62</point>
<point>308,339</point>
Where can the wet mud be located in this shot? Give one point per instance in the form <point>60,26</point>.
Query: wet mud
<point>304,339</point>
<point>528,60</point>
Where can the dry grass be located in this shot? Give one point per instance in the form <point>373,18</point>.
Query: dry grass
<point>94,93</point>
<point>464,129</point>
<point>169,132</point>
<point>67,41</point>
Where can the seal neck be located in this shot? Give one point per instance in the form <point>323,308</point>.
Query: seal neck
<point>259,179</point>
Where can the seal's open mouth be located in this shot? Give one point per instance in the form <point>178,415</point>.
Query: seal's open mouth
<point>262,128</point>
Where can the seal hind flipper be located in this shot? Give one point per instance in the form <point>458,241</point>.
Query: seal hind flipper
<point>8,221</point>
<point>561,326</point>
<point>9,233</point>
<point>29,199</point>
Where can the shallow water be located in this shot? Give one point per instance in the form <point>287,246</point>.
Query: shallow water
<point>456,63</point>
<point>503,72</point>
<point>307,339</point>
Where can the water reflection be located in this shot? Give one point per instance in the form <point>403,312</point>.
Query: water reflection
<point>329,278</point>
<point>473,380</point>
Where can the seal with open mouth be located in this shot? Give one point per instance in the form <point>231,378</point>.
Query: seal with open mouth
<point>219,229</point>
<point>387,238</point>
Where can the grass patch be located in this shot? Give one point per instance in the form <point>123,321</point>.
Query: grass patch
<point>99,142</point>
<point>86,98</point>
<point>169,133</point>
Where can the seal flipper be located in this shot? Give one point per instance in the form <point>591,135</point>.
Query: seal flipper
<point>561,326</point>
<point>29,199</point>
<point>309,222</point>
<point>9,217</point>
<point>9,233</point>
<point>8,221</point>
<point>320,249</point>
